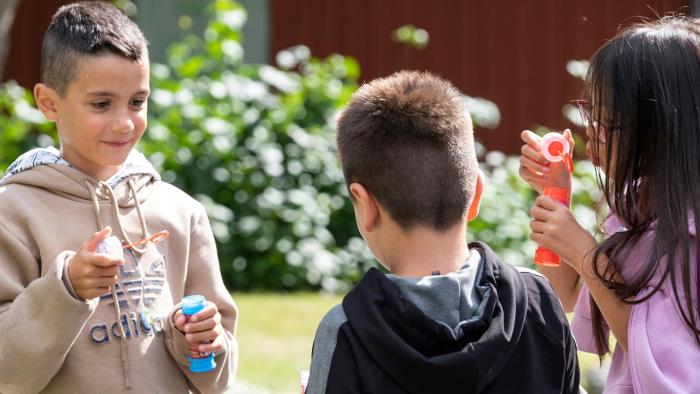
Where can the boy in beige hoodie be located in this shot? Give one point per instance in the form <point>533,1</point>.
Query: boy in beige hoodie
<point>76,321</point>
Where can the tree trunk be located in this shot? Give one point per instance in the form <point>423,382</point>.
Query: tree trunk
<point>7,15</point>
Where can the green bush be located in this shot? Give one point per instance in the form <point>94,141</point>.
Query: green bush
<point>255,144</point>
<point>22,126</point>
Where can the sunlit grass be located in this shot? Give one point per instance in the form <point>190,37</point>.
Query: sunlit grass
<point>275,336</point>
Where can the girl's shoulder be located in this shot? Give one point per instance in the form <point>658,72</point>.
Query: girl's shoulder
<point>638,252</point>
<point>612,225</point>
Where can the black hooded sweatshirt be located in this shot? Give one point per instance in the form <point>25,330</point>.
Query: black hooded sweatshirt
<point>508,334</point>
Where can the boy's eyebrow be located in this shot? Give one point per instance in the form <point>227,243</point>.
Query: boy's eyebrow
<point>110,94</point>
<point>101,94</point>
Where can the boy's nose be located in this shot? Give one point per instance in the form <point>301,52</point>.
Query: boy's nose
<point>123,124</point>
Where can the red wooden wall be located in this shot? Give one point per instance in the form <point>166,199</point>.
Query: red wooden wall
<point>27,32</point>
<point>511,52</point>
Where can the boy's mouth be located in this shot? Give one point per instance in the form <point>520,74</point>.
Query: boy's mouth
<point>118,144</point>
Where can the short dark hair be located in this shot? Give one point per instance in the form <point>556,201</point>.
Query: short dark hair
<point>91,28</point>
<point>408,140</point>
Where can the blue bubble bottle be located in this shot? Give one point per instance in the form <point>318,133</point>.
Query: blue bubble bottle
<point>199,361</point>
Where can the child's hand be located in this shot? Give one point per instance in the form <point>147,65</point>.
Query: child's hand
<point>536,170</point>
<point>554,227</point>
<point>203,326</point>
<point>93,274</point>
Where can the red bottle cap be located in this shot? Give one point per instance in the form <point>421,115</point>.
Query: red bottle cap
<point>557,193</point>
<point>555,148</point>
<point>546,257</point>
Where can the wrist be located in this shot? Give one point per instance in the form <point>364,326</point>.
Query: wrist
<point>582,261</point>
<point>65,276</point>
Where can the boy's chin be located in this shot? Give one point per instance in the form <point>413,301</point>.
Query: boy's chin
<point>386,267</point>
<point>113,164</point>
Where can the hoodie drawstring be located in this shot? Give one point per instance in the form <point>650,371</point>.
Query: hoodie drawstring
<point>125,237</point>
<point>115,211</point>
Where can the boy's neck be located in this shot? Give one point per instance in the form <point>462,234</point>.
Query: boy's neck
<point>100,173</point>
<point>423,251</point>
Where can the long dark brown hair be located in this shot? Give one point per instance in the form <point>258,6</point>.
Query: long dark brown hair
<point>644,90</point>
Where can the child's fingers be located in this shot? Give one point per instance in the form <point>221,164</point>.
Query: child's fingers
<point>540,214</point>
<point>538,238</point>
<point>88,269</point>
<point>538,226</point>
<point>211,348</point>
<point>531,139</point>
<point>530,176</point>
<point>104,260</point>
<point>533,154</point>
<point>179,320</point>
<point>203,325</point>
<point>216,346</point>
<point>95,292</point>
<point>201,336</point>
<point>533,165</point>
<point>547,203</point>
<point>91,244</point>
<point>106,272</point>
<point>208,311</point>
<point>102,282</point>
<point>102,290</point>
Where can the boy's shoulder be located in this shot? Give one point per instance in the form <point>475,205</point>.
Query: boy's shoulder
<point>538,285</point>
<point>325,342</point>
<point>544,307</point>
<point>167,193</point>
<point>18,201</point>
<point>332,320</point>
<point>327,330</point>
<point>164,189</point>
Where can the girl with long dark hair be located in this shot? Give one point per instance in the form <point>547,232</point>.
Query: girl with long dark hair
<point>642,107</point>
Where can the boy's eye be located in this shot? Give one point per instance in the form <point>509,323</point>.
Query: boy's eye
<point>100,104</point>
<point>138,103</point>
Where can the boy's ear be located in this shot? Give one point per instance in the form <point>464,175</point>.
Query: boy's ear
<point>366,209</point>
<point>474,207</point>
<point>47,100</point>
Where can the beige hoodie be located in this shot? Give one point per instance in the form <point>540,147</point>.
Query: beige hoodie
<point>52,342</point>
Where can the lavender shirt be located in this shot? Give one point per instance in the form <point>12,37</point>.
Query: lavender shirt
<point>663,356</point>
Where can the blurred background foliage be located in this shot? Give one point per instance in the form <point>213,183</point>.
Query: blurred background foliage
<point>255,144</point>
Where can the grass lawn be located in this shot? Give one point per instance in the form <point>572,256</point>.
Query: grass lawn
<point>275,335</point>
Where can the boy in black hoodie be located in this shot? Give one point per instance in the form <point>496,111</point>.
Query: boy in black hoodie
<point>451,318</point>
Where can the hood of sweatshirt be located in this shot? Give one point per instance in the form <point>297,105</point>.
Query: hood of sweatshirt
<point>45,168</point>
<point>463,325</point>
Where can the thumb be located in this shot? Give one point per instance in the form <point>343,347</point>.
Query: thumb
<point>569,138</point>
<point>91,244</point>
